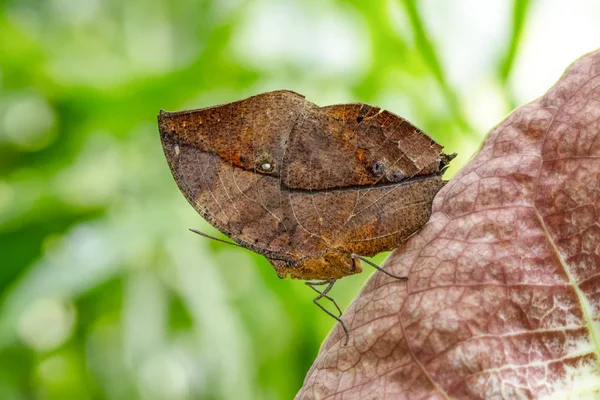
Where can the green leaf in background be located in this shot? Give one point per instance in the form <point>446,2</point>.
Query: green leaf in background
<point>105,293</point>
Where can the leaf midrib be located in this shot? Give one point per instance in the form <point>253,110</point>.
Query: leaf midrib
<point>583,300</point>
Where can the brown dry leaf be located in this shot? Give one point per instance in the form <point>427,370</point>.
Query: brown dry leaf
<point>503,292</point>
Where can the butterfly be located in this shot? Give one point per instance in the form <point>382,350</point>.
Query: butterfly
<point>313,189</point>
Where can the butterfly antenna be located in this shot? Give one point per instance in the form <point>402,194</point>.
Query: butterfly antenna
<point>214,238</point>
<point>377,267</point>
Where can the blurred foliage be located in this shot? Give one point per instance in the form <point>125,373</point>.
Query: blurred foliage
<point>105,294</point>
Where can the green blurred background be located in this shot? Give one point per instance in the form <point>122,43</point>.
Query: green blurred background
<point>105,294</point>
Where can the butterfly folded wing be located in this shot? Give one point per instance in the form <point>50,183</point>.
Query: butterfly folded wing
<point>368,178</point>
<point>216,155</point>
<point>304,185</point>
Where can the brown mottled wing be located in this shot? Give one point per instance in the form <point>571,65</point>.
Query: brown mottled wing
<point>345,176</point>
<point>356,145</point>
<point>215,156</point>
<point>361,178</point>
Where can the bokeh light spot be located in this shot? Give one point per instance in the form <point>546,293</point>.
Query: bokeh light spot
<point>46,323</point>
<point>28,122</point>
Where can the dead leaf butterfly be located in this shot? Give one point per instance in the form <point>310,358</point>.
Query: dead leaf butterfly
<point>313,189</point>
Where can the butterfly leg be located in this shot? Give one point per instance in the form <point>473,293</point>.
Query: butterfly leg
<point>312,285</point>
<point>377,267</point>
<point>324,294</point>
